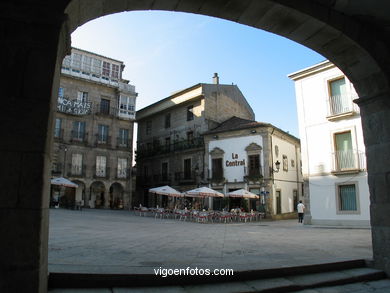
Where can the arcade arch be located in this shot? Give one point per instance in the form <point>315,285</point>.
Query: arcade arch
<point>40,39</point>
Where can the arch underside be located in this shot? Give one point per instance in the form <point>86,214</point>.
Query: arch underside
<point>327,32</point>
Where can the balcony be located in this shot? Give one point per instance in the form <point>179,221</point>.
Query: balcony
<point>123,143</point>
<point>102,173</point>
<point>76,170</point>
<point>254,175</point>
<point>350,161</point>
<point>106,110</point>
<point>123,174</point>
<point>79,137</point>
<point>182,178</point>
<point>340,106</point>
<point>102,141</point>
<point>158,149</point>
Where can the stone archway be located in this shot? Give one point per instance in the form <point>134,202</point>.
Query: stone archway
<point>98,195</point>
<point>36,36</point>
<point>80,196</point>
<point>116,196</point>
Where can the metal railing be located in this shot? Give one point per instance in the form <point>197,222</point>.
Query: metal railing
<point>102,109</point>
<point>157,149</point>
<point>76,170</point>
<point>123,174</point>
<point>101,173</point>
<point>341,104</point>
<point>123,143</point>
<point>102,140</point>
<point>78,137</point>
<point>349,160</point>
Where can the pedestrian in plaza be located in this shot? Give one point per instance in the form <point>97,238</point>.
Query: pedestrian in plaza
<point>301,210</point>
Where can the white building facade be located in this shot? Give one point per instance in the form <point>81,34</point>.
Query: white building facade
<point>333,151</point>
<point>257,157</point>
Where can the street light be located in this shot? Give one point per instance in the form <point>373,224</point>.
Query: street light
<point>277,165</point>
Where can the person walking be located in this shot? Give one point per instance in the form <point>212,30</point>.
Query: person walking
<point>301,210</point>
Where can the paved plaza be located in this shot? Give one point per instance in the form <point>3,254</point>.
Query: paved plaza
<point>108,241</point>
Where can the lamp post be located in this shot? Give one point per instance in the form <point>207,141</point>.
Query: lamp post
<point>64,168</point>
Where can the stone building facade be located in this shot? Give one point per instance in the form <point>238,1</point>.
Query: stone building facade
<point>258,157</point>
<point>333,150</point>
<point>170,146</point>
<point>93,131</point>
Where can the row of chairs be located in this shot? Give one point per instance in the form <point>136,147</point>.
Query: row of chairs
<point>199,216</point>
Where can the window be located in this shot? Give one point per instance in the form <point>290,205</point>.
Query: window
<point>122,168</point>
<point>216,168</point>
<point>66,62</point>
<point>168,120</point>
<point>82,97</point>
<point>61,92</point>
<point>167,143</point>
<point>96,67</point>
<point>344,155</point>
<point>57,128</point>
<point>102,133</point>
<point>78,131</point>
<point>148,127</point>
<point>86,64</point>
<point>254,165</point>
<point>76,60</point>
<point>105,106</point>
<point>190,137</point>
<point>339,101</point>
<point>292,163</point>
<point>77,164</point>
<point>115,71</point>
<point>285,163</point>
<point>101,166</point>
<point>190,113</point>
<point>126,107</point>
<point>164,171</point>
<point>187,169</point>
<point>123,138</point>
<point>347,198</point>
<point>106,69</point>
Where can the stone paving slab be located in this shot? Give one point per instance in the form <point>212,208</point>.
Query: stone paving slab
<point>106,241</point>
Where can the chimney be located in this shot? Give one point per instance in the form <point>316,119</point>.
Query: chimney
<point>215,78</point>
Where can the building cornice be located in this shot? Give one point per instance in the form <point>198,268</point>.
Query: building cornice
<point>325,65</point>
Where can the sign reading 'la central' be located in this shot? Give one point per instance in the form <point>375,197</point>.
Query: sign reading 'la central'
<point>236,162</point>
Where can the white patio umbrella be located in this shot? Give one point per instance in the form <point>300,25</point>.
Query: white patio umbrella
<point>166,190</point>
<point>61,181</point>
<point>203,192</point>
<point>242,193</point>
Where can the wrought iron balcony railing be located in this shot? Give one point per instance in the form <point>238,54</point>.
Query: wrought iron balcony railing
<point>348,161</point>
<point>101,172</point>
<point>76,170</point>
<point>102,140</point>
<point>342,104</point>
<point>157,149</point>
<point>78,137</point>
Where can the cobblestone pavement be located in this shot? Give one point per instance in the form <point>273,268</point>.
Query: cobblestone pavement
<point>107,241</point>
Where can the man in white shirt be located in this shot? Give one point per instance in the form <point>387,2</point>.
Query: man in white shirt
<point>301,211</point>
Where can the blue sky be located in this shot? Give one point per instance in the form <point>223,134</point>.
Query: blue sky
<point>168,51</point>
